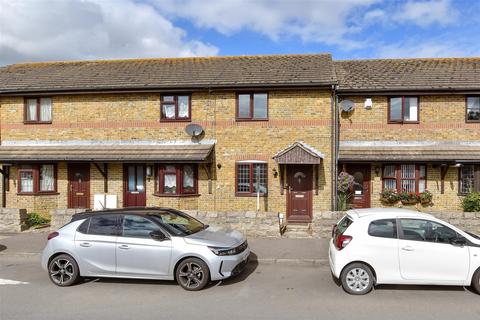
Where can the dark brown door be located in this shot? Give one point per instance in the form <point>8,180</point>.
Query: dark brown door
<point>134,185</point>
<point>361,187</point>
<point>299,193</point>
<point>79,185</point>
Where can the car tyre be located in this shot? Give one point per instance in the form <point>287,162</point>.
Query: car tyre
<point>476,281</point>
<point>192,274</point>
<point>63,270</point>
<point>357,279</point>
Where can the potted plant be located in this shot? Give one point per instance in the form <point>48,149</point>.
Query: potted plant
<point>408,198</point>
<point>389,196</point>
<point>425,197</point>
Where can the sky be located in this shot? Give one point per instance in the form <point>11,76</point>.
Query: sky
<point>53,30</point>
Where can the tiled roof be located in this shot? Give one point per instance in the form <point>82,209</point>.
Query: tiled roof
<point>165,152</point>
<point>408,74</point>
<point>435,152</point>
<point>170,73</point>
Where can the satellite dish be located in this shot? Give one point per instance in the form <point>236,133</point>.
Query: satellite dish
<point>347,105</point>
<point>194,130</point>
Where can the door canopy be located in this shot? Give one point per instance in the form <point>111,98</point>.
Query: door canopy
<point>298,153</point>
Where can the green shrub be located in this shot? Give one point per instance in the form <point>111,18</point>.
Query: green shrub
<point>471,202</point>
<point>34,219</point>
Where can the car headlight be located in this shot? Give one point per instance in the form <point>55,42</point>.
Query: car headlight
<point>223,251</point>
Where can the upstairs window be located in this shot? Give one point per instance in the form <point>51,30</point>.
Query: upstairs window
<point>38,110</point>
<point>251,178</point>
<point>177,179</point>
<point>469,178</point>
<point>175,108</point>
<point>403,110</point>
<point>37,179</point>
<point>473,109</point>
<point>405,177</point>
<point>252,106</point>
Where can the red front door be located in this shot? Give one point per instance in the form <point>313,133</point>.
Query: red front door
<point>79,185</point>
<point>134,185</point>
<point>299,193</point>
<point>361,188</point>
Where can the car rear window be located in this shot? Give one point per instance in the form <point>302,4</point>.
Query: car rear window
<point>342,226</point>
<point>385,228</point>
<point>102,225</point>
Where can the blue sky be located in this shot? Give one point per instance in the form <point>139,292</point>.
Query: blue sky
<point>44,30</point>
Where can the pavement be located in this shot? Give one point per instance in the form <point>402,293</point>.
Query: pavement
<point>288,251</point>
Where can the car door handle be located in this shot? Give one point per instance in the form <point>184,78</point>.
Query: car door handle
<point>85,244</point>
<point>124,246</point>
<point>407,248</point>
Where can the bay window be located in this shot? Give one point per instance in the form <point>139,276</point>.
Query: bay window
<point>173,179</point>
<point>405,177</point>
<point>403,110</point>
<point>37,179</point>
<point>38,110</point>
<point>251,178</point>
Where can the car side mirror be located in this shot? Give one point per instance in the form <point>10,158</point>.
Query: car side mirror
<point>158,236</point>
<point>460,242</point>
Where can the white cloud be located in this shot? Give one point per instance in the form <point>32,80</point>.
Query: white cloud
<point>428,49</point>
<point>89,29</point>
<point>425,13</point>
<point>327,21</point>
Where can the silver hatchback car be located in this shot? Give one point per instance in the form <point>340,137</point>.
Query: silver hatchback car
<point>143,243</point>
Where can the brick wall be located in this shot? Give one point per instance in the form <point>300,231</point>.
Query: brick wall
<point>442,118</point>
<point>293,115</point>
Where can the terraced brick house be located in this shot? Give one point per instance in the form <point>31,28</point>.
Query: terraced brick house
<point>221,134</point>
<point>237,134</point>
<point>415,127</point>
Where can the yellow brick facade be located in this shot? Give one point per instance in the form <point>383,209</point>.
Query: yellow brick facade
<point>294,115</point>
<point>441,118</point>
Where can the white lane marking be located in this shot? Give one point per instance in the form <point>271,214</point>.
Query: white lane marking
<point>12,282</point>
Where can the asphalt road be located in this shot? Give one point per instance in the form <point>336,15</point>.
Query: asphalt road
<point>265,291</point>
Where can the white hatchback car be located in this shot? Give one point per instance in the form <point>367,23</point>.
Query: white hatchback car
<point>398,246</point>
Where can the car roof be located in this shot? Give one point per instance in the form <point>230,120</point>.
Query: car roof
<point>386,213</point>
<point>129,210</point>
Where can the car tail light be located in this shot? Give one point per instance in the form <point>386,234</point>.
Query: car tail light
<point>333,230</point>
<point>52,235</point>
<point>342,241</point>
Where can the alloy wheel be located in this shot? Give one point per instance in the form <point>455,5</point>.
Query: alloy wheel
<point>358,279</point>
<point>61,271</point>
<point>191,275</point>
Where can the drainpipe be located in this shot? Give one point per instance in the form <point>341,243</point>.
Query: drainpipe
<point>335,144</point>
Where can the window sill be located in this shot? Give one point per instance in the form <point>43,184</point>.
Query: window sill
<point>53,193</point>
<point>250,120</point>
<point>185,195</point>
<point>176,120</point>
<point>472,121</point>
<point>251,195</point>
<point>37,122</point>
<point>403,122</point>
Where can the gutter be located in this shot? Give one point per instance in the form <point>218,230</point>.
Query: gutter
<point>334,146</point>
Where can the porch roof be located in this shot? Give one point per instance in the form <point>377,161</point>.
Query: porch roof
<point>298,153</point>
<point>410,151</point>
<point>108,153</point>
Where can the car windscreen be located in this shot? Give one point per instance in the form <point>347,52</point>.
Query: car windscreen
<point>178,224</point>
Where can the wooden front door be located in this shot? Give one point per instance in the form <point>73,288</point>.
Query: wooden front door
<point>299,193</point>
<point>134,185</point>
<point>79,185</point>
<point>361,188</point>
